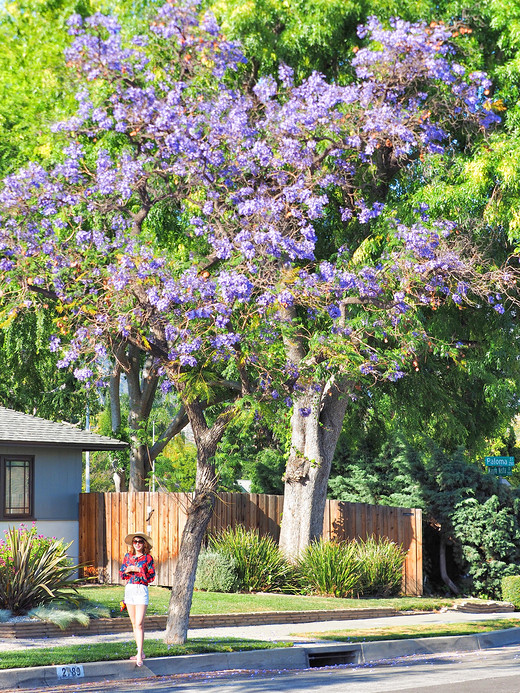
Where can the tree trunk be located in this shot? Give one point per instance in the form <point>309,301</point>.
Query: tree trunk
<point>315,427</point>
<point>138,464</point>
<point>119,478</point>
<point>442,564</point>
<point>142,382</point>
<point>199,515</point>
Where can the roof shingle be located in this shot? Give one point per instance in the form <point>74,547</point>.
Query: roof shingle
<point>25,429</point>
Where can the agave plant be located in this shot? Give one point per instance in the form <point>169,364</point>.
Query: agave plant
<point>33,573</point>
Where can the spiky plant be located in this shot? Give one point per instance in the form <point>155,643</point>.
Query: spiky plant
<point>329,568</point>
<point>380,566</point>
<point>260,566</point>
<point>33,573</point>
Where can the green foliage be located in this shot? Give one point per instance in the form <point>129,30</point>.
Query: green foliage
<point>42,388</point>
<point>329,568</point>
<point>176,467</point>
<point>370,568</point>
<point>216,572</point>
<point>380,567</point>
<point>103,464</point>
<point>489,534</point>
<point>34,571</point>
<point>511,590</point>
<point>307,34</point>
<point>259,563</point>
<point>266,472</point>
<point>254,448</point>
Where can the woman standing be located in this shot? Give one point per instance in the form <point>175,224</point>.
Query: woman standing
<point>138,570</point>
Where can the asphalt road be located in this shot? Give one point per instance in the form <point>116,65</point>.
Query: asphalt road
<point>485,671</point>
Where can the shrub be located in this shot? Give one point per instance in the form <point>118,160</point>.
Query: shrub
<point>511,590</point>
<point>380,568</point>
<point>330,568</point>
<point>259,563</point>
<point>489,536</point>
<point>216,572</point>
<point>34,570</point>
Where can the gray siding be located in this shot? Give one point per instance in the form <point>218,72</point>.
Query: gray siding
<point>57,480</point>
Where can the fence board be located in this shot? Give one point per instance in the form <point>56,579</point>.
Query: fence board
<point>106,518</point>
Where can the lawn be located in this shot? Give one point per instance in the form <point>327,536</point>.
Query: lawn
<point>220,603</point>
<point>102,651</point>
<point>419,631</point>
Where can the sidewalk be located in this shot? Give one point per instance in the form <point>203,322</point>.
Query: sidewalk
<point>305,652</point>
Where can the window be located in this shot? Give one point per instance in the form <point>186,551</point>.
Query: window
<point>17,491</point>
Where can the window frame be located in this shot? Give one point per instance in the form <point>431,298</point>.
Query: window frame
<point>3,486</point>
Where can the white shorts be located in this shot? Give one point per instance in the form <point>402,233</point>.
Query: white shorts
<point>136,594</point>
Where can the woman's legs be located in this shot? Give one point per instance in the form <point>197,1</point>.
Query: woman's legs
<point>137,613</point>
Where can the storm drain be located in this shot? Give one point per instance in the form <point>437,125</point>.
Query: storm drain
<point>332,658</point>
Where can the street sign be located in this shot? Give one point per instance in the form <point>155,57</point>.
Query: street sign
<point>500,461</point>
<point>500,471</point>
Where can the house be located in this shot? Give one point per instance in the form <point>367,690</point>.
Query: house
<point>41,468</point>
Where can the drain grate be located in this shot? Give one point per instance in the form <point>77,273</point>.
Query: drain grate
<point>332,658</point>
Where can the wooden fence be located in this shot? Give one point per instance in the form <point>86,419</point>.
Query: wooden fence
<point>106,518</point>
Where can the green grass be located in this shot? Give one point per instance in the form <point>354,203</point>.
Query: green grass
<point>221,603</point>
<point>101,652</point>
<point>404,632</point>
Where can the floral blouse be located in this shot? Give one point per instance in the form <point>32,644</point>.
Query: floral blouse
<point>146,567</point>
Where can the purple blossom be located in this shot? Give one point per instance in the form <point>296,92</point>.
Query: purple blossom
<point>252,176</point>
<point>83,374</point>
<point>54,343</point>
<point>265,89</point>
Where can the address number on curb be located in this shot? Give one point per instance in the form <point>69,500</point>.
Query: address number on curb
<point>68,672</point>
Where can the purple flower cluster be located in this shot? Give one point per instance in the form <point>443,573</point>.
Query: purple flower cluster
<point>248,177</point>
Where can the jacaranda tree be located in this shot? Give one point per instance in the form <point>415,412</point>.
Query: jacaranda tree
<point>189,216</point>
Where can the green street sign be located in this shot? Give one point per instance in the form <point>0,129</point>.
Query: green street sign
<point>500,462</point>
<point>500,471</point>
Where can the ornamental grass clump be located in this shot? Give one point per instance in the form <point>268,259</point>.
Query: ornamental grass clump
<point>380,567</point>
<point>260,566</point>
<point>34,570</point>
<point>330,568</point>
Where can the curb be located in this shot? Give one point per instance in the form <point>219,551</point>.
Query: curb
<point>296,657</point>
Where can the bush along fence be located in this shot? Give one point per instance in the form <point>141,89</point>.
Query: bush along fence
<point>106,518</point>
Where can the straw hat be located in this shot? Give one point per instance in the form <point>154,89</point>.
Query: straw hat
<point>130,537</point>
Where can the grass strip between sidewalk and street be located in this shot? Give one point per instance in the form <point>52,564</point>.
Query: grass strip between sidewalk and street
<point>418,631</point>
<point>107,651</point>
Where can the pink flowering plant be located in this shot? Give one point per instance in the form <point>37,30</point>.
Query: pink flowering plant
<point>34,570</point>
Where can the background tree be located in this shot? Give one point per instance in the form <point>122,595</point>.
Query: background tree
<point>471,518</point>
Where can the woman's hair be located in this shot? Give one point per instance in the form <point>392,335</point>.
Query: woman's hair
<point>146,546</point>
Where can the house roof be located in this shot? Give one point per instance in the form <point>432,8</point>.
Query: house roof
<point>24,429</point>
